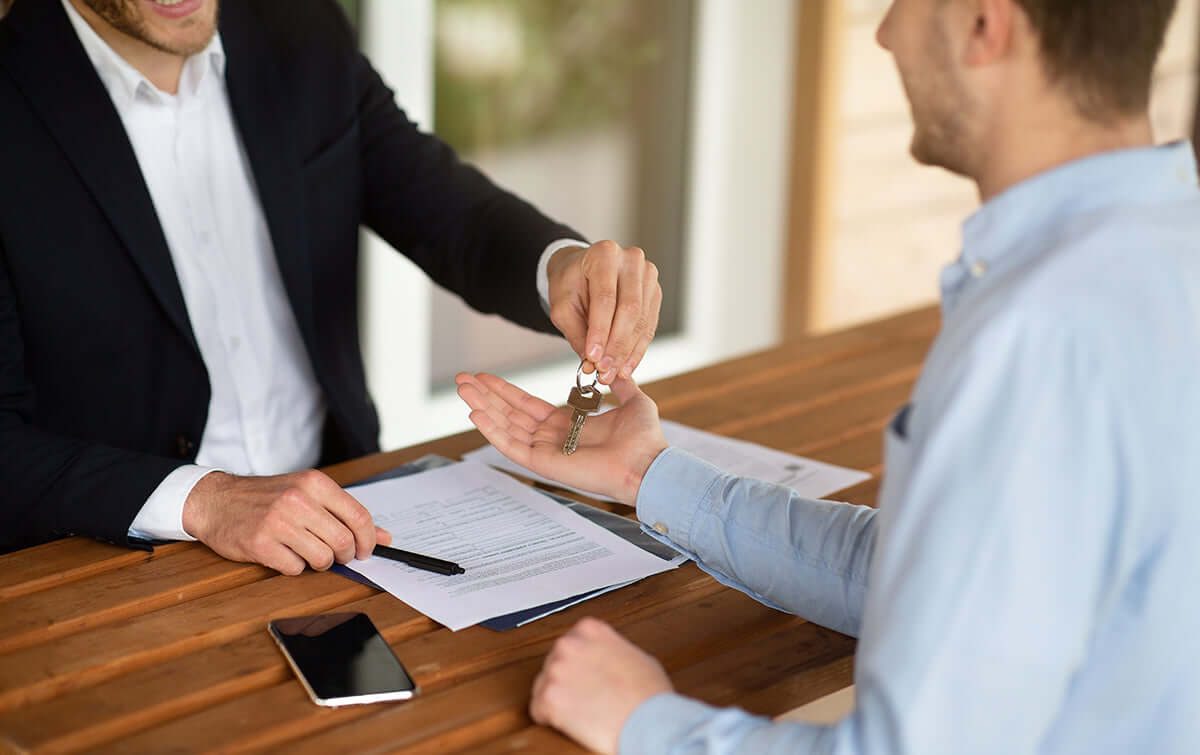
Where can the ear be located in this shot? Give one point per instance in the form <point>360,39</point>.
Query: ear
<point>993,23</point>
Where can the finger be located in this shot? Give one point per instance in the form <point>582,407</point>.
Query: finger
<point>352,515</point>
<point>626,390</point>
<point>337,538</point>
<point>503,442</point>
<point>537,700</point>
<point>511,423</point>
<point>653,301</point>
<point>308,546</point>
<point>601,272</point>
<point>282,559</point>
<point>382,536</point>
<point>511,413</point>
<point>515,397</point>
<point>628,322</point>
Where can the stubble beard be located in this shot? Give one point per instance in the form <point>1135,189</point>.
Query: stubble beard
<point>941,108</point>
<point>123,16</point>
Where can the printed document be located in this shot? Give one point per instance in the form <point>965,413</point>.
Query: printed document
<point>519,548</point>
<point>808,477</point>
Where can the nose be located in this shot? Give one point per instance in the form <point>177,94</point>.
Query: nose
<point>884,31</point>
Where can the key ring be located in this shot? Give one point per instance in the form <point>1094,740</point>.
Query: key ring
<point>588,390</point>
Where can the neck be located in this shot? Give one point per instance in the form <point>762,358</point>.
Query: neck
<point>1019,148</point>
<point>162,69</point>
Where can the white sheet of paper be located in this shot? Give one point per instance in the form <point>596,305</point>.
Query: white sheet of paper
<point>808,477</point>
<point>519,548</point>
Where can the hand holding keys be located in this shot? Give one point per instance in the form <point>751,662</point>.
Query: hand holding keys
<point>584,400</point>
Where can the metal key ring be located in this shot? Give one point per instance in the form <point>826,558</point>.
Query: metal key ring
<point>588,390</point>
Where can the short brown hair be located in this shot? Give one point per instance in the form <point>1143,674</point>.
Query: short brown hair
<point>1102,51</point>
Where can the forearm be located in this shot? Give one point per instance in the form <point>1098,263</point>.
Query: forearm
<point>467,234</point>
<point>807,557</point>
<point>55,486</point>
<point>671,723</point>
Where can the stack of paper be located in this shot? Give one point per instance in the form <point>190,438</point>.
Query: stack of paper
<point>520,549</point>
<point>808,477</point>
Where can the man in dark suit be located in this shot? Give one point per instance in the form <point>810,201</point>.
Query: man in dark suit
<point>178,263</point>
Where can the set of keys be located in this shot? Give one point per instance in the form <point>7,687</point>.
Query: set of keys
<point>584,400</point>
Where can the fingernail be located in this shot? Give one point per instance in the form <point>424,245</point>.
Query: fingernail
<point>607,377</point>
<point>594,352</point>
<point>605,364</point>
<point>626,371</point>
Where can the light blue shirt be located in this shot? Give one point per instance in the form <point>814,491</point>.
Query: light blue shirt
<point>1031,580</point>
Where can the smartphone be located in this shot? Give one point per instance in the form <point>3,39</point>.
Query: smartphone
<point>341,659</point>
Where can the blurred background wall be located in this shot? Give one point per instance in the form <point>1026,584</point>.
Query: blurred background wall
<point>757,151</point>
<point>894,224</point>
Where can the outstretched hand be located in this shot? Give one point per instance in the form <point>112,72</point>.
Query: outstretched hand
<point>615,449</point>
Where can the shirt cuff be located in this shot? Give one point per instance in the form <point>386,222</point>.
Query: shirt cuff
<point>161,516</point>
<point>543,278</point>
<point>661,723</point>
<point>676,486</point>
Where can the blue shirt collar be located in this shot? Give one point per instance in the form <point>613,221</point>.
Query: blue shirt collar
<point>995,235</point>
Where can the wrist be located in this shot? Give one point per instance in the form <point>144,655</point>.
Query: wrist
<point>636,472</point>
<point>562,258</point>
<point>198,505</point>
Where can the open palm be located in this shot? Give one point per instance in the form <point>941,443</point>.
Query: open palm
<point>615,449</point>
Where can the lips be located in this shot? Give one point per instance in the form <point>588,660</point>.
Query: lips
<point>175,8</point>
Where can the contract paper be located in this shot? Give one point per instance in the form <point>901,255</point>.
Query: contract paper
<point>519,548</point>
<point>808,477</point>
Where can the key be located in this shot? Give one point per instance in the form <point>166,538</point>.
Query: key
<point>584,400</point>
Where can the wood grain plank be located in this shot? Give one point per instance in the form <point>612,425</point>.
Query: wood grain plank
<point>780,364</point>
<point>89,717</point>
<point>527,740</point>
<point>837,385</point>
<point>119,707</point>
<point>64,561</point>
<point>713,625</point>
<point>825,424</point>
<point>811,660</point>
<point>35,674</point>
<point>134,590</point>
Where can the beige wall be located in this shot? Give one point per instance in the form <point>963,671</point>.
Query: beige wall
<point>896,223</point>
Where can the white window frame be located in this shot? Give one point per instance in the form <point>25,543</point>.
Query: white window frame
<point>736,213</point>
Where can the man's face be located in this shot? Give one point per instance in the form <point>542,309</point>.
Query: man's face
<point>178,27</point>
<point>917,34</point>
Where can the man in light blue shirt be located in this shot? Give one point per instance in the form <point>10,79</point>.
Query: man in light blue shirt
<point>1028,583</point>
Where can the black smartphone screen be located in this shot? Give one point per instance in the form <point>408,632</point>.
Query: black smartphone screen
<point>341,659</point>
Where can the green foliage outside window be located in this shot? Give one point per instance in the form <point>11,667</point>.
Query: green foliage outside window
<point>513,71</point>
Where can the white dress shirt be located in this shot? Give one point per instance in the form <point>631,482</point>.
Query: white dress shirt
<point>266,410</point>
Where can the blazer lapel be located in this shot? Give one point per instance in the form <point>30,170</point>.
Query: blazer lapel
<point>257,97</point>
<point>48,63</point>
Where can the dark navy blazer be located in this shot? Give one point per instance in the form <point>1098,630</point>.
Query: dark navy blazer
<point>102,388</point>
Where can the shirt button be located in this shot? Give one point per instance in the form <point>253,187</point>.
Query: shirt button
<point>660,528</point>
<point>978,269</point>
<point>184,446</point>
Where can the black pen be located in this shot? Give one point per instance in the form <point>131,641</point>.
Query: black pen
<point>428,563</point>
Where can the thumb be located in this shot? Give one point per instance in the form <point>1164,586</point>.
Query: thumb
<point>626,390</point>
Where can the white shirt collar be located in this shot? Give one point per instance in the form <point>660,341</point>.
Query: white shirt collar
<point>123,81</point>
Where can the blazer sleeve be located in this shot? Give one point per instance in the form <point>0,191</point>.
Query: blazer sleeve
<point>467,234</point>
<point>51,485</point>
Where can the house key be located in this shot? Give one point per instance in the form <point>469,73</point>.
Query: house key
<point>584,400</point>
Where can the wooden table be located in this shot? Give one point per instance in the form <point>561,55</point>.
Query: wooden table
<point>115,650</point>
